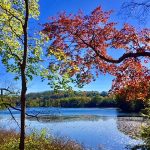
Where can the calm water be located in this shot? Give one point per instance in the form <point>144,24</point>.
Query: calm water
<point>95,128</point>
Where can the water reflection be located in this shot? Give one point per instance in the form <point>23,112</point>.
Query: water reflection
<point>55,118</point>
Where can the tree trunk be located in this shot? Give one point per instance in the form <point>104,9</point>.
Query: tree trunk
<point>23,109</point>
<point>23,78</point>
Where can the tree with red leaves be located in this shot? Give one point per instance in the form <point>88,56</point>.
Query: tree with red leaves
<point>82,45</point>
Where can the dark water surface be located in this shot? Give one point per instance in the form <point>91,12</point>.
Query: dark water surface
<point>96,128</point>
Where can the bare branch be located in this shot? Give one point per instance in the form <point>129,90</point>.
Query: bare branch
<point>136,9</point>
<point>4,89</point>
<point>13,116</point>
<point>9,105</point>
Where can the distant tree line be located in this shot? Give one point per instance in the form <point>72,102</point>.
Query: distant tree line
<point>81,99</point>
<point>70,99</point>
<point>78,99</point>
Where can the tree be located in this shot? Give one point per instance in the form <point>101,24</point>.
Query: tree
<point>20,53</point>
<point>133,81</point>
<point>139,10</point>
<point>86,42</point>
<point>104,93</point>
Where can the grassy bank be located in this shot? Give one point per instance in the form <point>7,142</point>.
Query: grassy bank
<point>9,140</point>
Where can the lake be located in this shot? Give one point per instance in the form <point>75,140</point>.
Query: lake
<point>96,128</point>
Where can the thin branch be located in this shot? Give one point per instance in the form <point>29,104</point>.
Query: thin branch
<point>6,90</point>
<point>16,34</point>
<point>13,116</point>
<point>7,106</point>
<point>29,115</point>
<point>136,4</point>
<point>7,11</point>
<point>138,10</point>
<point>15,55</point>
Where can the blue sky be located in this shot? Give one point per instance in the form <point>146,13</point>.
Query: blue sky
<point>51,8</point>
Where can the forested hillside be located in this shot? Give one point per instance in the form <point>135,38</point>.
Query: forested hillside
<point>70,99</point>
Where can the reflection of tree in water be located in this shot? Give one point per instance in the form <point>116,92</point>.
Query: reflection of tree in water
<point>57,118</point>
<point>130,126</point>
